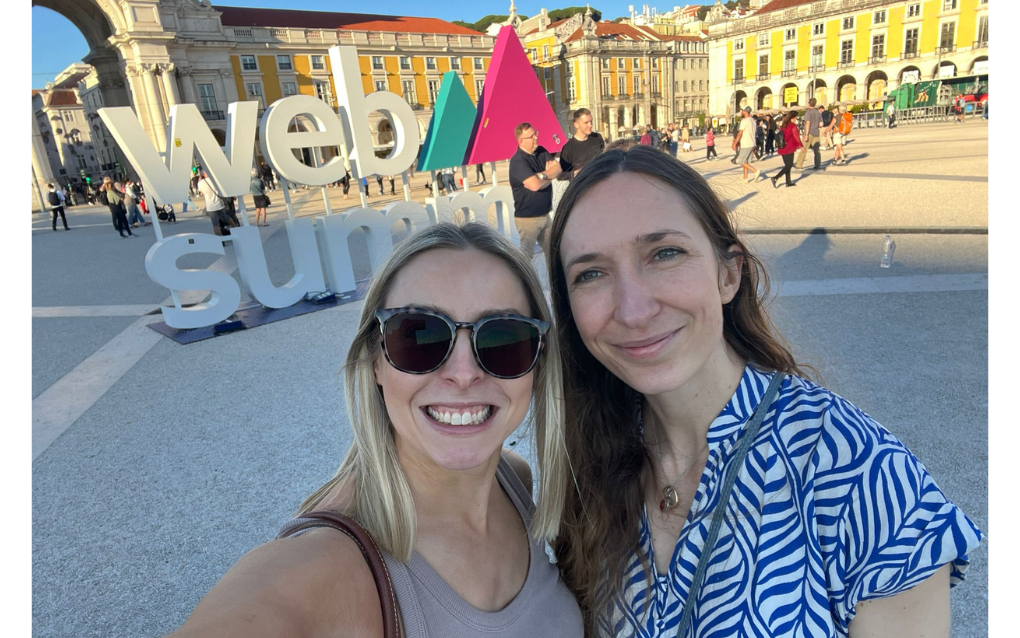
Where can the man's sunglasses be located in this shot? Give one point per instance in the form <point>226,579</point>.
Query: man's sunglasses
<point>418,341</point>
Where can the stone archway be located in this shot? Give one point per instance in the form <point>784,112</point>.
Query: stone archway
<point>796,91</point>
<point>763,98</point>
<point>877,83</point>
<point>976,64</point>
<point>909,75</point>
<point>846,88</point>
<point>944,69</point>
<point>737,101</point>
<point>819,90</point>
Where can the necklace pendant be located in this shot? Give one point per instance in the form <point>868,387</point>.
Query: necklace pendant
<point>670,499</point>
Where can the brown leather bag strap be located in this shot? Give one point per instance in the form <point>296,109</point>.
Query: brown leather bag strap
<point>374,558</point>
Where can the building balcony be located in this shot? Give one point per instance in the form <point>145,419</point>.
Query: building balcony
<point>846,65</point>
<point>980,44</point>
<point>738,80</point>
<point>656,95</point>
<point>763,77</point>
<point>876,59</point>
<point>789,73</point>
<point>638,96</point>
<point>949,48</point>
<point>908,54</point>
<point>212,116</point>
<point>816,68</point>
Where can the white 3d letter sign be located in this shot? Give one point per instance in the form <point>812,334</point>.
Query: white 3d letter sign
<point>166,178</point>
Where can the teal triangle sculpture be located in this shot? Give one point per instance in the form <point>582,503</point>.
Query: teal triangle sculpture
<point>450,129</point>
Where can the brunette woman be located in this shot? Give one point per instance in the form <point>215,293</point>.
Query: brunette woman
<point>720,492</point>
<point>110,195</point>
<point>791,137</point>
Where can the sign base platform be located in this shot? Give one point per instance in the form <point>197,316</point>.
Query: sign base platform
<point>256,316</point>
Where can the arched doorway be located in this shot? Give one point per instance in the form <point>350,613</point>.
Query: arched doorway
<point>737,102</point>
<point>846,88</point>
<point>817,89</point>
<point>944,69</point>
<point>877,83</point>
<point>789,95</point>
<point>763,98</point>
<point>979,65</point>
<point>909,75</point>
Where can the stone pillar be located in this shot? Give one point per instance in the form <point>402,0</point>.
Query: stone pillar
<point>627,116</point>
<point>614,129</point>
<point>149,84</point>
<point>188,86</point>
<point>41,173</point>
<point>173,96</point>
<point>139,100</point>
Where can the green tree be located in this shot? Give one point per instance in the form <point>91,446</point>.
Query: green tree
<point>560,14</point>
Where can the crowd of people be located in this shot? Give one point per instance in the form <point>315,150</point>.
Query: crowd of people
<point>693,479</point>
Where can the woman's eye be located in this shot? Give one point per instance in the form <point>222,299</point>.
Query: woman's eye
<point>586,276</point>
<point>664,254</point>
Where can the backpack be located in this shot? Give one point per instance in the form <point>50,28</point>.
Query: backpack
<point>781,140</point>
<point>845,123</point>
<point>826,118</point>
<point>52,198</point>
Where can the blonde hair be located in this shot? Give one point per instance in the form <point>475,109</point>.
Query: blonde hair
<point>371,478</point>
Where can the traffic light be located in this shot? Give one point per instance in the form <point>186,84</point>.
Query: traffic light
<point>88,180</point>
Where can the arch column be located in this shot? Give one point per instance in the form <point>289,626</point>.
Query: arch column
<point>614,129</point>
<point>173,96</point>
<point>155,106</point>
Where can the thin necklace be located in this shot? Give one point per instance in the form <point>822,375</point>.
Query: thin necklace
<point>670,498</point>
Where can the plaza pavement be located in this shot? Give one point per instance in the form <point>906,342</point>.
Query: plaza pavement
<point>157,465</point>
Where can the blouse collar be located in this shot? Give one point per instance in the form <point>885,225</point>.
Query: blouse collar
<point>741,405</point>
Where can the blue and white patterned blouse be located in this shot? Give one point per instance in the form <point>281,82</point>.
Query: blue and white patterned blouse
<point>829,509</point>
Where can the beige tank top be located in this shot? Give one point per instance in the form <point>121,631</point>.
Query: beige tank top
<point>429,608</point>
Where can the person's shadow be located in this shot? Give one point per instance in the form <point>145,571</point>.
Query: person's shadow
<point>806,257</point>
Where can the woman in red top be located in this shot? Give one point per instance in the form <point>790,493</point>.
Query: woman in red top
<point>788,129</point>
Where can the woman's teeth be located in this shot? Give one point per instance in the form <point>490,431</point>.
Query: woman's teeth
<point>460,418</point>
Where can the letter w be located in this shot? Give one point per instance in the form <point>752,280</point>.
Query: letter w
<point>187,134</point>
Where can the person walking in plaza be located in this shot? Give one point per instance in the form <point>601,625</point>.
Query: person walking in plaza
<point>261,200</point>
<point>891,113</point>
<point>267,176</point>
<point>674,139</point>
<point>110,195</point>
<point>710,154</point>
<point>744,143</point>
<point>134,215</point>
<point>449,180</point>
<point>685,139</point>
<point>770,135</point>
<point>791,142</point>
<point>480,174</point>
<point>842,125</point>
<point>345,182</point>
<point>364,186</point>
<point>760,130</point>
<point>959,108</point>
<point>720,492</point>
<point>646,138</point>
<point>532,171</point>
<point>215,206</point>
<point>812,122</point>
<point>56,201</point>
<point>453,351</point>
<point>826,127</point>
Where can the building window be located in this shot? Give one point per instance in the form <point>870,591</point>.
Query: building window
<point>910,42</point>
<point>637,85</point>
<point>848,23</point>
<point>655,84</point>
<point>738,69</point>
<point>455,64</point>
<point>380,85</point>
<point>289,88</point>
<point>479,66</point>
<point>637,63</point>
<point>763,64</point>
<point>248,63</point>
<point>547,72</point>
<point>545,51</point>
<point>846,52</point>
<point>318,63</point>
<point>878,46</point>
<point>948,37</point>
<point>982,31</point>
<point>207,96</point>
<point>621,85</point>
<point>738,44</point>
<point>701,63</point>
<point>571,90</point>
<point>764,39</point>
<point>818,28</point>
<point>377,63</point>
<point>323,92</point>
<point>879,17</point>
<point>533,54</point>
<point>409,96</point>
<point>948,5</point>
<point>605,86</point>
<point>791,34</point>
<point>283,63</point>
<point>605,63</point>
<point>69,116</point>
<point>433,91</point>
<point>430,64</point>
<point>790,60</point>
<point>405,63</point>
<point>914,10</point>
<point>685,64</point>
<point>254,90</point>
<point>655,63</point>
<point>479,85</point>
<point>619,63</point>
<point>685,86</point>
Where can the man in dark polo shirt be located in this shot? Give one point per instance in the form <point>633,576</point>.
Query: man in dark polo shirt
<point>532,170</point>
<point>580,149</point>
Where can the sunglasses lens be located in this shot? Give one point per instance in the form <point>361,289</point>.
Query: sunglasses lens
<point>507,347</point>
<point>416,342</point>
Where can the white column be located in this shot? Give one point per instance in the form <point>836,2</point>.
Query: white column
<point>173,96</point>
<point>155,109</point>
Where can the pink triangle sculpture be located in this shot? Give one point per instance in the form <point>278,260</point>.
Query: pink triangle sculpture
<point>512,94</point>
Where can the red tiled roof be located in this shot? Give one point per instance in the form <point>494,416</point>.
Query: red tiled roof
<point>61,97</point>
<point>618,31</point>
<point>778,5</point>
<point>289,18</point>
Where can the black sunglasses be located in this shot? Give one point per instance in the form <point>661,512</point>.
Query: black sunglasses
<point>419,341</point>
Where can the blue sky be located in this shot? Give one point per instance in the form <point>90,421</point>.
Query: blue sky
<point>56,42</point>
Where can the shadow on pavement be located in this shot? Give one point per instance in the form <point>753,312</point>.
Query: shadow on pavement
<point>811,251</point>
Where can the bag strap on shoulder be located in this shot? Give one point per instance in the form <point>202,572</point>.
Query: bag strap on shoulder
<point>369,549</point>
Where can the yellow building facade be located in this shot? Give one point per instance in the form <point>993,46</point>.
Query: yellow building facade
<point>837,50</point>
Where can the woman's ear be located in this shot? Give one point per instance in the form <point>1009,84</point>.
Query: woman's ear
<point>729,272</point>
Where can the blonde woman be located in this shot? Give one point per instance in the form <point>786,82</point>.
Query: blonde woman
<point>109,194</point>
<point>452,350</point>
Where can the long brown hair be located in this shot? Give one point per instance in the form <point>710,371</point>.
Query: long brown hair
<point>599,531</point>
